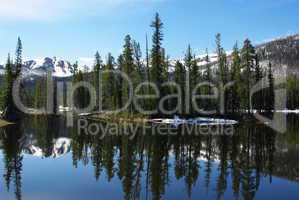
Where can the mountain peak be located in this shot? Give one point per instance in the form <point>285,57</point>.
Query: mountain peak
<point>40,66</point>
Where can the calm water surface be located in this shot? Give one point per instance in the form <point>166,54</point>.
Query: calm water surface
<point>42,159</point>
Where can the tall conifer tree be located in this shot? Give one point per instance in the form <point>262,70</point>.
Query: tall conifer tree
<point>129,69</point>
<point>188,66</point>
<point>180,79</point>
<point>96,71</point>
<point>222,71</point>
<point>109,94</point>
<point>235,92</point>
<point>208,104</point>
<point>119,81</point>
<point>156,56</point>
<point>258,75</point>
<point>18,59</point>
<point>247,63</point>
<point>271,94</point>
<point>8,84</point>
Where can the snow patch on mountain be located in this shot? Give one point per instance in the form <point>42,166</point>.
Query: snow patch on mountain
<point>58,67</point>
<point>40,66</point>
<point>86,63</point>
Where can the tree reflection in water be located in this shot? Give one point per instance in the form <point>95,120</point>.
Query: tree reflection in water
<point>144,164</point>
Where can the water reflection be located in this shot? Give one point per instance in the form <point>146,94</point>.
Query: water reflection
<point>149,165</point>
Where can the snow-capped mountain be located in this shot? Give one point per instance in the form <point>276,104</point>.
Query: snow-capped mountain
<point>283,53</point>
<point>40,67</point>
<point>59,68</point>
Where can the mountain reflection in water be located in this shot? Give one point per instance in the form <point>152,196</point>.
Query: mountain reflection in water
<point>44,159</point>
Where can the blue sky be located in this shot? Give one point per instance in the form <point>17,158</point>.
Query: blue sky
<point>74,29</point>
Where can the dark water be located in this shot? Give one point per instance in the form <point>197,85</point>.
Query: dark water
<point>42,159</point>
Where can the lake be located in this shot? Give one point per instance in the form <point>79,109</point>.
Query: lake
<point>43,159</point>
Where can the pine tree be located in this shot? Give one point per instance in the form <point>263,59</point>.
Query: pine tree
<point>208,73</point>
<point>271,94</point>
<point>128,59</point>
<point>222,62</point>
<point>96,72</point>
<point>247,63</point>
<point>148,78</point>
<point>119,81</point>
<point>74,69</point>
<point>207,77</point>
<point>165,66</point>
<point>156,56</point>
<point>140,70</point>
<point>77,77</point>
<point>129,69</point>
<point>258,75</point>
<point>222,69</point>
<point>293,92</point>
<point>235,92</point>
<point>80,98</point>
<point>138,62</point>
<point>195,78</point>
<point>188,67</point>
<point>109,94</point>
<point>166,90</point>
<point>12,72</point>
<point>180,79</point>
<point>18,59</point>
<point>8,84</point>
<point>147,61</point>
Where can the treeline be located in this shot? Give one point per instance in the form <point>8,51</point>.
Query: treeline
<point>13,70</point>
<point>243,70</point>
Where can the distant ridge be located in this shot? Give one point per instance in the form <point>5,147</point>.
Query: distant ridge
<point>282,52</point>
